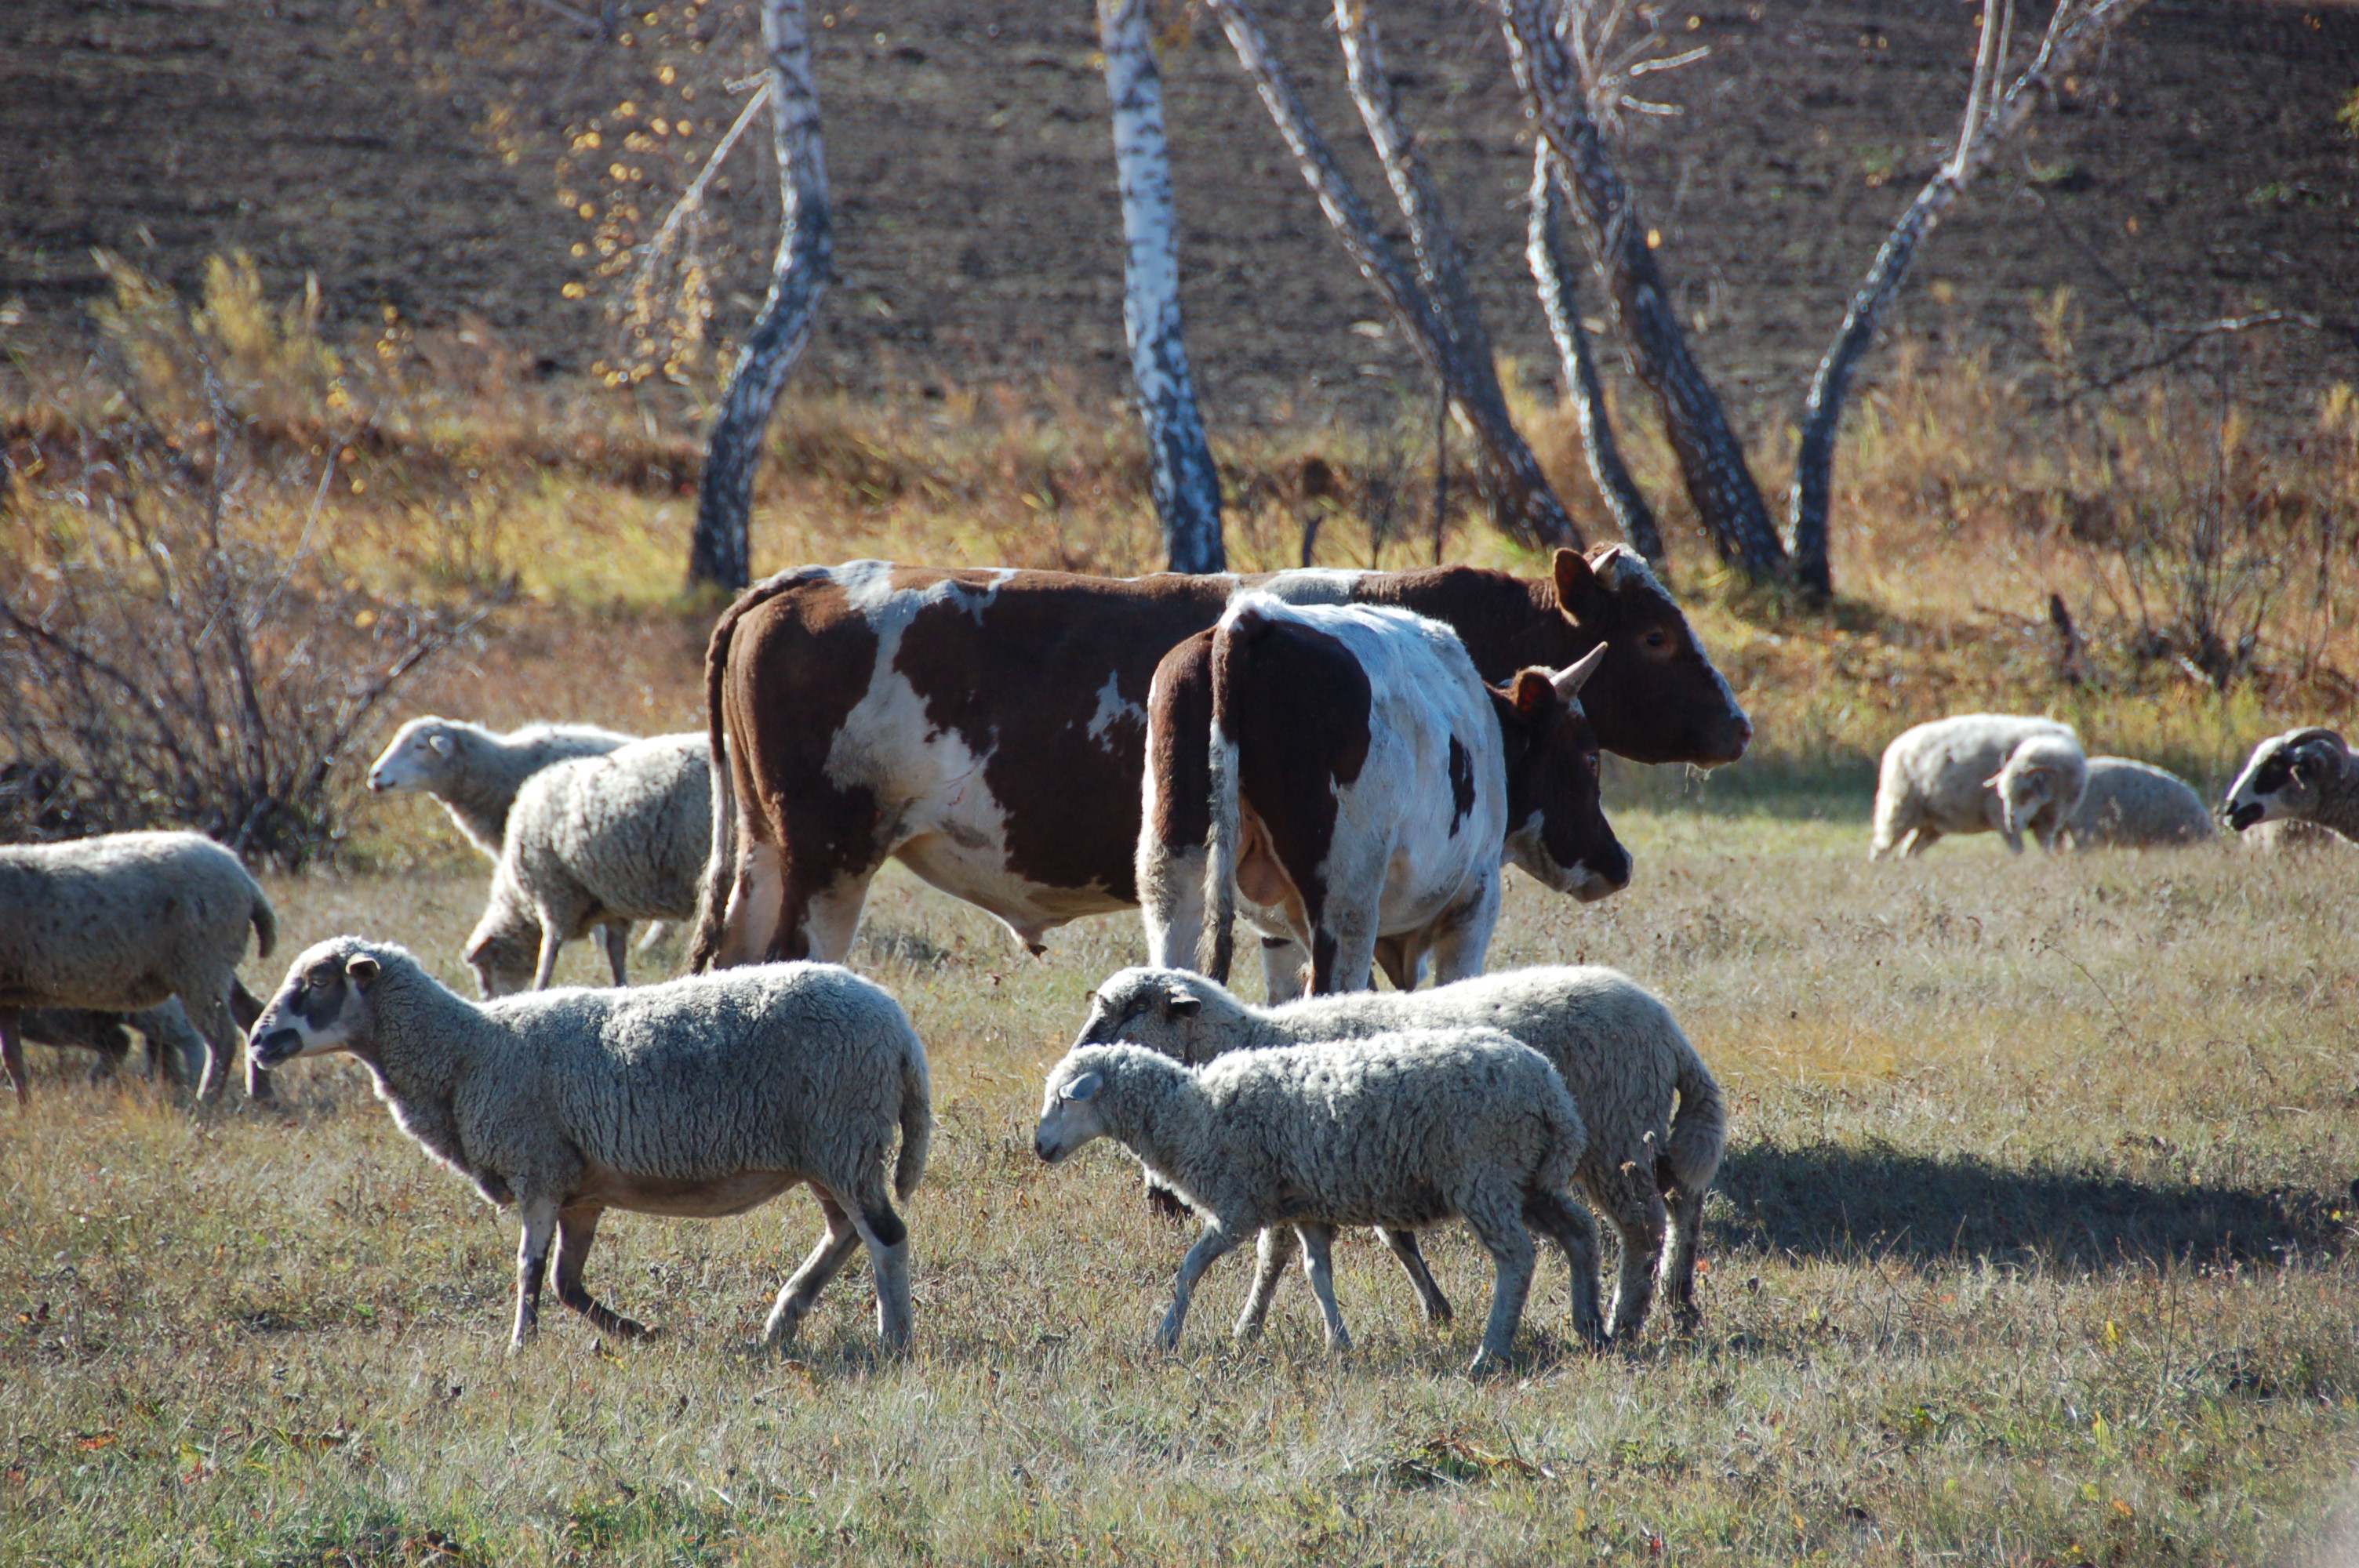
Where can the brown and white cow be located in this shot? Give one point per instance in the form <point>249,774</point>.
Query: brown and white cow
<point>1365,788</point>
<point>987,727</point>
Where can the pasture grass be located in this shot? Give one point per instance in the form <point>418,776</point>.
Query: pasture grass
<point>2030,1246</point>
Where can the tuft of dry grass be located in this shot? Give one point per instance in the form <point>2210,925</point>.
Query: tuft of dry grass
<point>2031,1246</point>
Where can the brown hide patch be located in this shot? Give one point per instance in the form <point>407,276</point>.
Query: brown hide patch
<point>1297,707</point>
<point>1551,753</point>
<point>1178,730</point>
<point>798,664</point>
<point>1020,677</point>
<point>1461,785</point>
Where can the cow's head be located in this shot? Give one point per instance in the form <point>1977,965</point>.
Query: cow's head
<point>1661,698</point>
<point>2281,782</point>
<point>1556,818</point>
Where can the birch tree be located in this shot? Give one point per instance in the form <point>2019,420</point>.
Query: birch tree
<point>719,553</point>
<point>1186,484</point>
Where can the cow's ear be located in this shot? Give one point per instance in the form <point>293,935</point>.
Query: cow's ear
<point>1532,695</point>
<point>362,971</point>
<point>1575,583</point>
<point>1182,1004</point>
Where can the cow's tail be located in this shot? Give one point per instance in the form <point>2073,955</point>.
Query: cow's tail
<point>1230,650</point>
<point>916,1120</point>
<point>1700,1130</point>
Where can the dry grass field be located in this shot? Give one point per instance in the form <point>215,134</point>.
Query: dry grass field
<point>2031,1246</point>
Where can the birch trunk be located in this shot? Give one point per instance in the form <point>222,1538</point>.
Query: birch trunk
<point>1522,502</point>
<point>1187,486</point>
<point>1719,481</point>
<point>1621,492</point>
<point>2063,47</point>
<point>719,554</point>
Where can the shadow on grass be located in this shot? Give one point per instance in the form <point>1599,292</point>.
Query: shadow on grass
<point>1789,789</point>
<point>1828,1202</point>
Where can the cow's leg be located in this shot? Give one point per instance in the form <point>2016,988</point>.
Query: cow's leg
<point>1461,940</point>
<point>12,1053</point>
<point>1343,945</point>
<point>1171,901</point>
<point>826,920</point>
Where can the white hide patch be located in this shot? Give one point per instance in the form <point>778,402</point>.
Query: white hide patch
<point>1112,711</point>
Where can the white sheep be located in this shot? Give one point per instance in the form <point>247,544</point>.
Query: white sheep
<point>1945,777</point>
<point>595,841</point>
<point>126,921</point>
<point>2133,804</point>
<point>2302,775</point>
<point>1617,1046</point>
<point>1397,1130</point>
<point>698,1098</point>
<point>475,773</point>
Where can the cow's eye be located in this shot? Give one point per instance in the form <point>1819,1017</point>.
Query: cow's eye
<point>1657,640</point>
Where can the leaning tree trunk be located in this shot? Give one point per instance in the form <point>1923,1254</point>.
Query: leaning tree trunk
<point>1727,500</point>
<point>1980,135</point>
<point>719,553</point>
<point>1187,486</point>
<point>1623,497</point>
<point>1522,502</point>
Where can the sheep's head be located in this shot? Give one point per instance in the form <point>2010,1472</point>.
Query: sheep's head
<point>2281,781</point>
<point>418,758</point>
<point>1072,1107</point>
<point>324,1004</point>
<point>1185,1016</point>
<point>2044,778</point>
<point>504,948</point>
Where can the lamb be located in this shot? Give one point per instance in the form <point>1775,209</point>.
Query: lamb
<point>2302,775</point>
<point>126,921</point>
<point>1618,1048</point>
<point>475,773</point>
<point>1398,1130</point>
<point>1946,777</point>
<point>2133,805</point>
<point>595,841</point>
<point>700,1098</point>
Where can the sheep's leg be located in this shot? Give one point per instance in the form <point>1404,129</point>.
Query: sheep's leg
<point>1677,1279</point>
<point>616,935</point>
<point>1510,1245</point>
<point>1208,1249</point>
<point>1568,1224</point>
<point>551,940</point>
<point>1429,1299</point>
<point>532,1266</point>
<point>1921,839</point>
<point>888,1257</point>
<point>576,1230</point>
<point>12,1054</point>
<point>1317,1242</point>
<point>826,1261</point>
<point>215,1021</point>
<point>1273,1249</point>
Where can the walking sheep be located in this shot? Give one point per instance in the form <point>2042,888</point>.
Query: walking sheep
<point>2302,775</point>
<point>1946,777</point>
<point>1398,1131</point>
<point>595,841</point>
<point>475,773</point>
<point>698,1098</point>
<point>2131,804</point>
<point>126,921</point>
<point>1617,1046</point>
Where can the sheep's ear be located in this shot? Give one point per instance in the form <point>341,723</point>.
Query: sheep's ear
<point>1182,1004</point>
<point>1084,1087</point>
<point>440,744</point>
<point>1991,782</point>
<point>362,971</point>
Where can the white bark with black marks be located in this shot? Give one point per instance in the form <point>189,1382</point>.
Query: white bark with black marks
<point>2072,31</point>
<point>720,553</point>
<point>1186,484</point>
<point>1621,492</point>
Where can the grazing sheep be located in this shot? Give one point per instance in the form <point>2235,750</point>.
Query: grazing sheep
<point>173,1042</point>
<point>1619,1049</point>
<point>700,1098</point>
<point>2131,804</point>
<point>595,841</point>
<point>1945,777</point>
<point>1398,1131</point>
<point>2302,775</point>
<point>2041,788</point>
<point>475,773</point>
<point>126,921</point>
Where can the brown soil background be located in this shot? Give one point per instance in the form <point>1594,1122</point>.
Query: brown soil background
<point>405,152</point>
